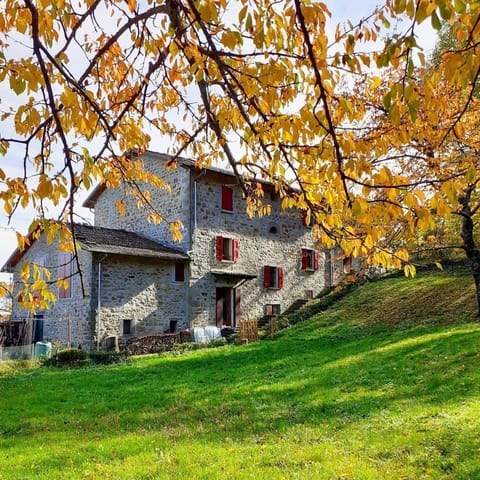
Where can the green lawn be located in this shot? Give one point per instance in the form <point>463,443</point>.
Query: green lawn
<point>383,385</point>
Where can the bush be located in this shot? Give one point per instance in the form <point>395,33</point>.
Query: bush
<point>68,357</point>
<point>180,348</point>
<point>98,357</point>
<point>217,342</point>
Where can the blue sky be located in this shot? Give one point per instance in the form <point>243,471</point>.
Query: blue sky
<point>342,10</point>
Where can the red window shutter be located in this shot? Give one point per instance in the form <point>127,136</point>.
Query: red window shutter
<point>227,199</point>
<point>304,258</point>
<point>235,249</point>
<point>266,276</point>
<point>280,277</point>
<point>315,260</point>
<point>219,248</point>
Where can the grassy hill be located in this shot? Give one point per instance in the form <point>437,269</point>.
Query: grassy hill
<point>383,385</point>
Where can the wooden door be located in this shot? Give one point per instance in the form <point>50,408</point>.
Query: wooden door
<point>228,306</point>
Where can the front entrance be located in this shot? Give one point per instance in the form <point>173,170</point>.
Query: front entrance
<point>228,306</point>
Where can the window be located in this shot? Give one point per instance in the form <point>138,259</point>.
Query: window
<point>65,274</point>
<point>309,260</point>
<point>179,272</point>
<point>308,219</point>
<point>227,249</point>
<point>39,273</point>
<point>227,199</point>
<point>272,277</point>
<point>127,327</point>
<point>272,309</point>
<point>347,264</point>
<point>273,229</point>
<point>41,263</point>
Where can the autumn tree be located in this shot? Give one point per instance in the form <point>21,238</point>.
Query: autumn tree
<point>258,84</point>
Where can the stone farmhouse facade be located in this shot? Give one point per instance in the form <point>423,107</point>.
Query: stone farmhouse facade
<point>137,280</point>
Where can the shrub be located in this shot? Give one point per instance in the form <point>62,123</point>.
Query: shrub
<point>98,357</point>
<point>68,357</point>
<point>217,342</point>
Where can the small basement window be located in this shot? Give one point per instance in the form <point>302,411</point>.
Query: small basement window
<point>127,327</point>
<point>179,272</point>
<point>272,309</point>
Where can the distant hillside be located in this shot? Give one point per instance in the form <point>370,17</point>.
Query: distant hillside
<point>437,297</point>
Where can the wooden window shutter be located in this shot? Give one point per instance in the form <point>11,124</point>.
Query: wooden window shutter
<point>280,277</point>
<point>227,199</point>
<point>266,276</point>
<point>219,247</point>
<point>304,258</point>
<point>235,249</point>
<point>237,306</point>
<point>315,260</point>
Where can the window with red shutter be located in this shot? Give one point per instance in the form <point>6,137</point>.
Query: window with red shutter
<point>235,249</point>
<point>219,248</point>
<point>266,276</point>
<point>280,277</point>
<point>227,199</point>
<point>304,259</point>
<point>227,249</point>
<point>272,277</point>
<point>309,260</point>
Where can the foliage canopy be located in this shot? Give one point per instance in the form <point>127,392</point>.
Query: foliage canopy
<point>373,141</point>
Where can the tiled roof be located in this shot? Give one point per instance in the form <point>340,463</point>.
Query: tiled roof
<point>122,242</point>
<point>108,240</point>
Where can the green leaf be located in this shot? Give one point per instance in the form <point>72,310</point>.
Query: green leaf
<point>387,101</point>
<point>436,23</point>
<point>460,6</point>
<point>439,265</point>
<point>413,110</point>
<point>17,84</point>
<point>248,22</point>
<point>445,11</point>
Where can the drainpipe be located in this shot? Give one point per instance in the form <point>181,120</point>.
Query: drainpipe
<point>99,304</point>
<point>196,179</point>
<point>332,282</point>
<point>190,264</point>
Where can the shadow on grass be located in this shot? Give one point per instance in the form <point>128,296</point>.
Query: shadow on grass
<point>265,387</point>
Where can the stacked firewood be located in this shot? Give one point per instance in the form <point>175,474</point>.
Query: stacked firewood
<point>156,342</point>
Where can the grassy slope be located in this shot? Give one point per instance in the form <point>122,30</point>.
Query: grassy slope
<point>385,384</point>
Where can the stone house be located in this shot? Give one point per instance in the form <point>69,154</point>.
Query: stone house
<point>137,280</point>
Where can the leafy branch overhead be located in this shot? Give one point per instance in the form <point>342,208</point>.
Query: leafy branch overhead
<point>356,128</point>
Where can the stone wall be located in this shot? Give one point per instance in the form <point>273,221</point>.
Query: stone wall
<point>173,206</point>
<point>274,240</point>
<point>69,319</point>
<point>140,290</point>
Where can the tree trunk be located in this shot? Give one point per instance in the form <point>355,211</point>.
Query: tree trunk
<point>469,245</point>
